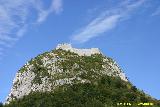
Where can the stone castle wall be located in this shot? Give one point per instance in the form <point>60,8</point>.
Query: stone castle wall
<point>81,52</point>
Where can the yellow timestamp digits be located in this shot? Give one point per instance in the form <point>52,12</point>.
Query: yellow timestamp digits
<point>130,104</point>
<point>146,104</point>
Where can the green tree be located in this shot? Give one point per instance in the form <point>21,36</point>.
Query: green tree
<point>134,88</point>
<point>1,104</point>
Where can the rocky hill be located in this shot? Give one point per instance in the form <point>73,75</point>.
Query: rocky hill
<point>66,67</point>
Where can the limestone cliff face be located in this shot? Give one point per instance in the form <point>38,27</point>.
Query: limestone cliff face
<point>62,66</point>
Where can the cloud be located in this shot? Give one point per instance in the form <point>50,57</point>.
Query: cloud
<point>96,27</point>
<point>56,7</point>
<point>16,16</point>
<point>106,21</point>
<point>22,31</point>
<point>156,12</point>
<point>1,53</point>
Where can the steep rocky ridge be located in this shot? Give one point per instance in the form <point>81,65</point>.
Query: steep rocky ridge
<point>63,65</point>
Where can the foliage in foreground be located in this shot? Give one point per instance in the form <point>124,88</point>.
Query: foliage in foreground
<point>106,91</point>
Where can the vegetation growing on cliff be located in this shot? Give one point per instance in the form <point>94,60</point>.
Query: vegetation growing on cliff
<point>98,90</point>
<point>106,91</point>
